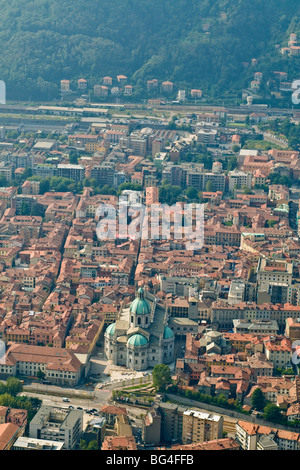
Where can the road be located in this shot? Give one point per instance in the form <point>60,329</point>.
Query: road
<point>100,399</point>
<point>90,402</point>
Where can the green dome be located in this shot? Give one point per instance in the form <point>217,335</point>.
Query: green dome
<point>140,305</point>
<point>110,330</point>
<point>168,333</point>
<point>137,340</point>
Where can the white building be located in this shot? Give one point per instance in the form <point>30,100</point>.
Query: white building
<point>181,95</point>
<point>207,136</point>
<point>57,424</point>
<point>29,443</point>
<point>239,179</point>
<point>2,92</point>
<point>236,292</point>
<point>249,435</point>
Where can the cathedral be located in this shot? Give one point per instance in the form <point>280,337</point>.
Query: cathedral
<point>140,338</point>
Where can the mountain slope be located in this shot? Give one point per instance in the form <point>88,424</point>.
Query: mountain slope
<point>198,43</point>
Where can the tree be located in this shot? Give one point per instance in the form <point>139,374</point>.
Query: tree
<point>169,194</point>
<point>25,208</point>
<point>44,186</point>
<point>37,210</point>
<point>130,186</point>
<point>73,157</point>
<point>106,189</point>
<point>258,400</point>
<point>246,190</point>
<point>209,186</point>
<point>231,163</point>
<point>161,376</point>
<point>191,193</point>
<point>221,400</point>
<point>13,386</point>
<point>40,374</point>
<point>93,445</point>
<point>272,413</point>
<point>3,181</point>
<point>82,444</point>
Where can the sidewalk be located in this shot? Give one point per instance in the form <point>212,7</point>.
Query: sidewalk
<point>58,391</point>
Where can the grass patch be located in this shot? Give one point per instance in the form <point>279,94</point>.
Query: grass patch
<point>135,387</point>
<point>260,145</point>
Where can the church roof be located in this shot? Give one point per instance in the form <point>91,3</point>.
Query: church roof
<point>140,305</point>
<point>168,333</point>
<point>137,340</point>
<point>111,329</point>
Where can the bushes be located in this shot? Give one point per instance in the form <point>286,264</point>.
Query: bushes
<point>9,397</point>
<point>218,400</point>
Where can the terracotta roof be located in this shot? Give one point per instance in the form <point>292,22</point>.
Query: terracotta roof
<point>7,432</point>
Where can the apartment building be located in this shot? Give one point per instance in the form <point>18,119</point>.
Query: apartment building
<point>151,427</point>
<point>152,84</point>
<point>198,426</point>
<point>57,424</point>
<point>44,170</point>
<point>171,421</point>
<point>278,350</point>
<point>256,327</point>
<point>292,329</point>
<point>29,443</point>
<point>207,136</point>
<point>152,195</point>
<point>222,236</point>
<point>279,271</point>
<point>100,90</point>
<point>249,436</point>
<point>236,291</point>
<point>217,181</point>
<point>61,367</point>
<point>238,180</point>
<point>275,276</point>
<point>122,79</point>
<point>107,81</point>
<point>74,172</point>
<point>135,142</point>
<point>178,307</point>
<point>167,86</point>
<point>196,93</point>
<point>104,173</point>
<point>65,85</point>
<point>223,314</point>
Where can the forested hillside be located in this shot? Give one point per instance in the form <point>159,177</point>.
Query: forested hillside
<point>197,43</point>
